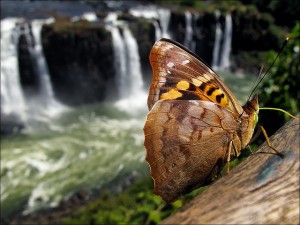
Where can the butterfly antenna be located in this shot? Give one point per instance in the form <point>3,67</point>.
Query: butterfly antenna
<point>257,80</point>
<point>262,77</point>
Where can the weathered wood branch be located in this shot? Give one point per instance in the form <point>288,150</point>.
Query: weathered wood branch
<point>264,189</point>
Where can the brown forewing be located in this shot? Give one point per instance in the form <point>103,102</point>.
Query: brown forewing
<point>172,63</point>
<point>186,143</point>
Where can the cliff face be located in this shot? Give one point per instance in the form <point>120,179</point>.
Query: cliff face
<point>28,76</point>
<point>80,61</point>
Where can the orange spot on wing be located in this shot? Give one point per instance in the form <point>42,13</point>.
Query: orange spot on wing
<point>171,94</point>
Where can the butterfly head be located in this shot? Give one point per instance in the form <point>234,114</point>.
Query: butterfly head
<point>252,108</point>
<point>252,105</point>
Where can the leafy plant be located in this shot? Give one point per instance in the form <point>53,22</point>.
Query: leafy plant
<point>280,88</point>
<point>137,205</point>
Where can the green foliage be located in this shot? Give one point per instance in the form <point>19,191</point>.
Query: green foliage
<point>65,25</point>
<point>280,88</point>
<point>285,12</point>
<point>136,205</point>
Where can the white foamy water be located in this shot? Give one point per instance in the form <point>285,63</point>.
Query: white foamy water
<point>93,148</point>
<point>188,40</point>
<point>13,101</point>
<point>217,44</point>
<point>155,14</point>
<point>12,97</point>
<point>45,103</point>
<point>90,16</point>
<point>222,49</point>
<point>225,56</point>
<point>164,16</point>
<point>127,66</point>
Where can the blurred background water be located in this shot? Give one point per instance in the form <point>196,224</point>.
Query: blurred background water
<point>73,104</point>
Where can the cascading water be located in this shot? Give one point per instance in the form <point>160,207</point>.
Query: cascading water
<point>46,100</point>
<point>134,74</point>
<point>127,66</point>
<point>188,40</point>
<point>221,54</point>
<point>164,16</point>
<point>158,34</point>
<point>12,98</point>
<point>43,106</point>
<point>225,61</point>
<point>218,37</point>
<point>90,16</point>
<point>13,101</point>
<point>119,60</point>
<point>45,85</point>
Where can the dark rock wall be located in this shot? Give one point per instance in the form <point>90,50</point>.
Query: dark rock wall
<point>28,76</point>
<point>80,61</point>
<point>205,36</point>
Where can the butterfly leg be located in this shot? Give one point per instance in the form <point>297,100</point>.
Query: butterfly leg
<point>269,143</point>
<point>249,147</point>
<point>228,156</point>
<point>231,146</point>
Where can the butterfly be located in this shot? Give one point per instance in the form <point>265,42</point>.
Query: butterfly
<point>195,124</point>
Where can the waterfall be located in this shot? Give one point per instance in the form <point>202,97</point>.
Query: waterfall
<point>164,16</point>
<point>158,33</point>
<point>119,53</point>
<point>12,98</point>
<point>221,54</point>
<point>44,104</point>
<point>134,74</point>
<point>89,16</point>
<point>225,61</point>
<point>120,60</point>
<point>188,39</point>
<point>45,86</point>
<point>218,37</point>
<point>127,66</point>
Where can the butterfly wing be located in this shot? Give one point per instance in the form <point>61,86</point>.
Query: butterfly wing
<point>180,74</point>
<point>177,133</point>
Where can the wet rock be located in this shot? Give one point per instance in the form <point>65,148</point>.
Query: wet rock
<point>11,124</point>
<point>80,61</point>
